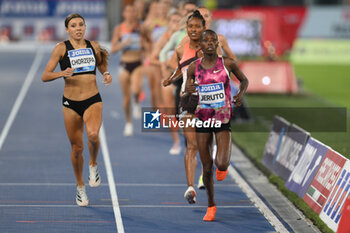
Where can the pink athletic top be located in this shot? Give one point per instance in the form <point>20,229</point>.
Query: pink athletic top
<point>214,92</point>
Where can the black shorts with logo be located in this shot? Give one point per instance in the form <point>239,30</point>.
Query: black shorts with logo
<point>188,103</point>
<point>81,106</point>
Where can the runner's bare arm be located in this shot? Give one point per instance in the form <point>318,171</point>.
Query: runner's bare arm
<point>190,82</point>
<point>177,74</point>
<point>224,46</point>
<point>102,62</point>
<point>56,55</point>
<point>116,44</point>
<point>154,58</point>
<point>233,67</point>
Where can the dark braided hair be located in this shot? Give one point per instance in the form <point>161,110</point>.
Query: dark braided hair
<point>208,31</point>
<point>196,14</point>
<point>104,57</point>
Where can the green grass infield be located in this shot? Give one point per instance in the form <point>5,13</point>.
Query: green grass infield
<point>324,93</point>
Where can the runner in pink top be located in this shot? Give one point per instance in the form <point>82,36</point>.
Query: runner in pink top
<point>185,55</point>
<point>214,92</point>
<point>212,75</point>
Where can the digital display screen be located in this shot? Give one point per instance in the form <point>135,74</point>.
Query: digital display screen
<point>243,35</point>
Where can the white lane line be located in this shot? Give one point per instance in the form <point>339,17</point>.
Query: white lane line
<point>111,183</point>
<point>275,222</point>
<point>22,93</point>
<point>105,184</point>
<point>129,206</point>
<point>184,206</point>
<point>43,184</point>
<point>55,206</point>
<point>169,185</point>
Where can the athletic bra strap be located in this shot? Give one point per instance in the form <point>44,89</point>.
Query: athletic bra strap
<point>189,61</point>
<point>69,46</point>
<point>88,44</point>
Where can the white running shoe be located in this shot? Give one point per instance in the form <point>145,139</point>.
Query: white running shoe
<point>94,176</point>
<point>175,149</point>
<point>200,184</point>
<point>136,111</point>
<point>213,152</point>
<point>128,130</point>
<point>190,195</point>
<point>81,197</point>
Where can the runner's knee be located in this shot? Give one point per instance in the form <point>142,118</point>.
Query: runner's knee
<point>222,164</point>
<point>92,136</point>
<point>192,146</point>
<point>77,149</point>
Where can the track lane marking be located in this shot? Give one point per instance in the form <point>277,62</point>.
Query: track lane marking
<point>110,178</point>
<point>22,93</point>
<point>131,206</point>
<point>106,184</point>
<point>268,214</point>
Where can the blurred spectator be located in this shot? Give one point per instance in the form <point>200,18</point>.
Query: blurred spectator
<point>140,6</point>
<point>47,34</point>
<point>28,32</point>
<point>211,4</point>
<point>5,34</point>
<point>153,28</point>
<point>167,93</point>
<point>127,2</point>
<point>127,40</point>
<point>94,33</point>
<point>270,51</point>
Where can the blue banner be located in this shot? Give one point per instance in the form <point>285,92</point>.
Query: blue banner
<point>290,150</point>
<point>279,129</point>
<point>52,8</point>
<point>43,20</point>
<point>307,166</point>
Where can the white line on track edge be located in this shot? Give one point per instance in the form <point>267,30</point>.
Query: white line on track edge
<point>111,183</point>
<point>117,184</point>
<point>122,206</point>
<point>22,93</point>
<point>275,222</point>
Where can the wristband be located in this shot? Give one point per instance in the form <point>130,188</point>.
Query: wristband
<point>106,73</point>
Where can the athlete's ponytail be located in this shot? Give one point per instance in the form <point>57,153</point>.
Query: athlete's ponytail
<point>104,57</point>
<point>72,16</point>
<point>196,14</point>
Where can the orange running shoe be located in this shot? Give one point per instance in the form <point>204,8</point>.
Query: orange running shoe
<point>220,175</point>
<point>210,215</point>
<point>142,96</point>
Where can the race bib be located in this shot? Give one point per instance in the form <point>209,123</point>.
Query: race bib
<point>212,95</point>
<point>82,60</point>
<point>135,41</point>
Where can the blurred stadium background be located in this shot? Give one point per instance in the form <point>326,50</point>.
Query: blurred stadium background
<point>291,33</point>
